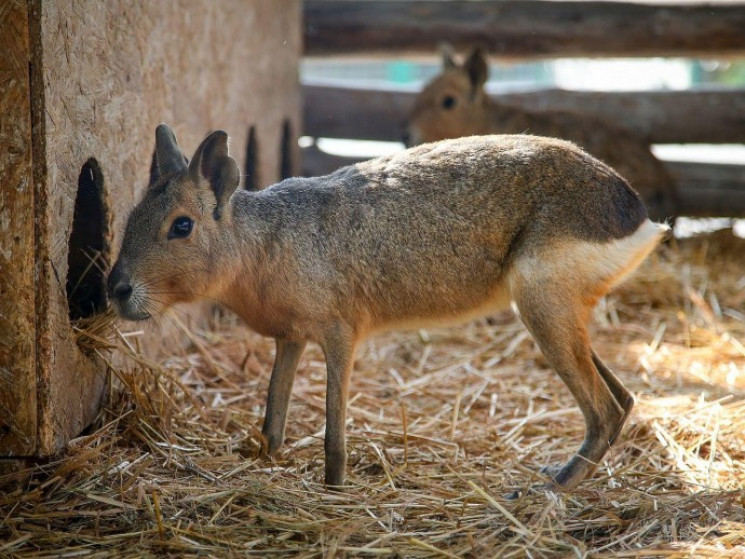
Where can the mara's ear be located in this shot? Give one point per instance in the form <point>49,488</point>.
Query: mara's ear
<point>212,163</point>
<point>477,68</point>
<point>154,169</point>
<point>448,55</point>
<point>167,157</point>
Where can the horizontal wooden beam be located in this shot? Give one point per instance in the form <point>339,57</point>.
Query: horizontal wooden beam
<point>316,163</point>
<point>708,189</point>
<point>365,114</point>
<point>515,28</point>
<point>663,117</point>
<point>705,189</point>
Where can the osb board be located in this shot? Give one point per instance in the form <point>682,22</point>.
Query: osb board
<point>17,328</point>
<point>111,71</point>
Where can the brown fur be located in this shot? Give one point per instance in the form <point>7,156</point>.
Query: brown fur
<point>437,234</point>
<point>455,104</point>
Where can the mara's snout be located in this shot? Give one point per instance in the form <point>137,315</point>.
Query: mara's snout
<point>437,234</point>
<point>127,303</point>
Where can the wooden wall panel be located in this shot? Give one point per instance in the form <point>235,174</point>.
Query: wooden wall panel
<point>112,71</point>
<point>103,75</point>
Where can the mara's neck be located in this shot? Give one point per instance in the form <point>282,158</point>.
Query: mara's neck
<point>236,270</point>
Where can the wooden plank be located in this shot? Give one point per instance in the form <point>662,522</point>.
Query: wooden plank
<point>705,189</point>
<point>699,116</point>
<point>710,190</point>
<point>662,117</point>
<point>514,28</point>
<point>18,405</point>
<point>339,112</point>
<point>316,163</point>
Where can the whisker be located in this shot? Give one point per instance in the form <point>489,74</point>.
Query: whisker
<point>178,270</point>
<point>192,296</point>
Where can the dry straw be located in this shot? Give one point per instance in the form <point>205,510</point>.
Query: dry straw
<point>443,424</point>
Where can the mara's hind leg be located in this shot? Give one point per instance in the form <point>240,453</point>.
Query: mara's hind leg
<point>623,397</point>
<point>557,321</point>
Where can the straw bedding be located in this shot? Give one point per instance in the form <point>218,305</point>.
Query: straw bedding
<point>443,424</point>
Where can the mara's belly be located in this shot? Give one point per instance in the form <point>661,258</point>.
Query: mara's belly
<point>438,309</point>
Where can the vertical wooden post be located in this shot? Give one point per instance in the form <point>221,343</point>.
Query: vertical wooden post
<point>18,389</point>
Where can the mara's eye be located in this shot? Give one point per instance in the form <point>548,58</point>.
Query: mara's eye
<point>448,102</point>
<point>180,228</point>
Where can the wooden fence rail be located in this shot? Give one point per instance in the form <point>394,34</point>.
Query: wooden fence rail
<point>515,28</point>
<point>709,190</point>
<point>712,116</point>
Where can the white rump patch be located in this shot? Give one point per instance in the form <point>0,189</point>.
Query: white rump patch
<point>602,262</point>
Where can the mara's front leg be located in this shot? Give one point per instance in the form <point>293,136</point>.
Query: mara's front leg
<point>338,346</point>
<point>280,388</point>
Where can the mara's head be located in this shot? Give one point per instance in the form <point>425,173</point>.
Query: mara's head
<point>453,104</point>
<point>172,243</point>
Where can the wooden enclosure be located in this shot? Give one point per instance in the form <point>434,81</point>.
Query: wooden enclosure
<point>83,85</point>
<point>523,30</point>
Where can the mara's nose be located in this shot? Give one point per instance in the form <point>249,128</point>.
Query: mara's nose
<point>118,283</point>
